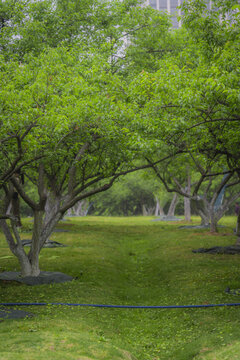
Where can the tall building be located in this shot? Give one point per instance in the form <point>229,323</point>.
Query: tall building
<point>171,6</point>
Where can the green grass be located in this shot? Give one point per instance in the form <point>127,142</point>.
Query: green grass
<point>127,261</point>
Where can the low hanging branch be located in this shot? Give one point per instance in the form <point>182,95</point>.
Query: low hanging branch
<point>8,217</point>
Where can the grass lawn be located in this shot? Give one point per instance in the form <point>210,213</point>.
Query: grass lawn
<point>127,261</point>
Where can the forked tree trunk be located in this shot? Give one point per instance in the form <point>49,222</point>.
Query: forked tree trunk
<point>30,263</point>
<point>42,229</point>
<point>147,211</point>
<point>172,207</point>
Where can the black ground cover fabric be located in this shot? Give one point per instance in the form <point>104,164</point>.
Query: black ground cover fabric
<point>49,244</point>
<point>230,250</point>
<point>6,313</point>
<point>45,277</point>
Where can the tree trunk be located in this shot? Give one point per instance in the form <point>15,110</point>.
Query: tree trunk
<point>30,263</point>
<point>51,207</point>
<point>26,269</point>
<point>187,204</point>
<point>78,208</point>
<point>33,255</point>
<point>144,210</point>
<point>187,209</point>
<point>147,211</point>
<point>15,245</point>
<point>205,221</point>
<point>81,208</point>
<point>16,208</point>
<point>238,230</point>
<point>213,224</point>
<point>201,207</point>
<point>172,207</point>
<point>162,213</point>
<point>69,212</point>
<point>159,209</point>
<point>42,229</point>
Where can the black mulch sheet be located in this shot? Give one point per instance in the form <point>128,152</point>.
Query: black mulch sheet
<point>230,250</point>
<point>49,244</point>
<point>6,313</point>
<point>45,277</point>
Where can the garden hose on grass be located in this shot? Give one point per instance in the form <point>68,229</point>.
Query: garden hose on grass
<point>123,306</point>
<point>228,290</point>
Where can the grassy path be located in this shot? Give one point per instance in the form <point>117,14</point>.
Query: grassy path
<point>127,261</point>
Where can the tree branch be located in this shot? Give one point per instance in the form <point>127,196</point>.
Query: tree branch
<point>220,187</point>
<point>22,193</point>
<point>72,170</point>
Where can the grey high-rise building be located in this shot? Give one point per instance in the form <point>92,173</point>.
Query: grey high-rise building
<point>171,6</point>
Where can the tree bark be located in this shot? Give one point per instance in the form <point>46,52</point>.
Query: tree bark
<point>238,230</point>
<point>187,209</point>
<point>205,220</point>
<point>158,209</point>
<point>213,222</point>
<point>16,207</point>
<point>187,202</point>
<point>200,206</point>
<point>33,255</point>
<point>172,207</point>
<point>161,211</point>
<point>15,245</point>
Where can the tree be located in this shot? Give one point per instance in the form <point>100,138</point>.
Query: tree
<point>210,196</point>
<point>86,132</point>
<point>133,194</point>
<point>152,42</point>
<point>193,100</point>
<point>14,132</point>
<point>81,208</point>
<point>106,27</point>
